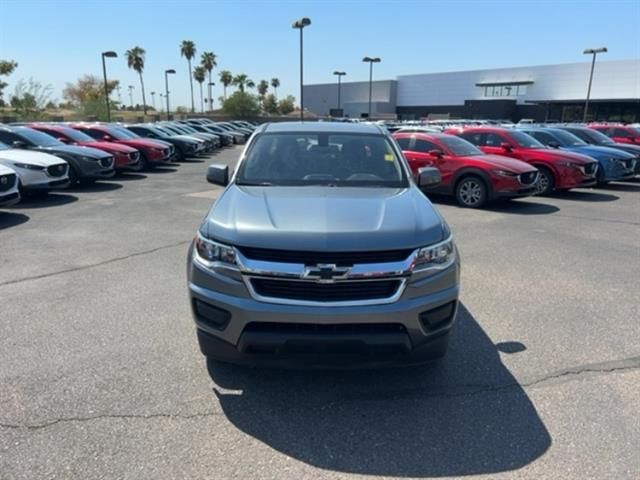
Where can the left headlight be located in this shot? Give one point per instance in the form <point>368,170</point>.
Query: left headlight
<point>435,257</point>
<point>212,254</point>
<point>504,173</point>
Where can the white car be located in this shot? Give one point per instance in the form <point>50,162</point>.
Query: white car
<point>37,171</point>
<point>9,194</point>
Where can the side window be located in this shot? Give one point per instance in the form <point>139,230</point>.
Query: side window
<point>543,137</point>
<point>423,146</point>
<point>8,137</point>
<point>93,133</point>
<point>475,138</point>
<point>404,142</point>
<point>620,132</point>
<point>493,140</point>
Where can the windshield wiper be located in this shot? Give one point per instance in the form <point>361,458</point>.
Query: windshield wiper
<point>255,184</point>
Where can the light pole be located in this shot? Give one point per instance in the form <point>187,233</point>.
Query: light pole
<point>153,99</point>
<point>108,54</point>
<point>339,75</point>
<point>161,102</point>
<point>371,62</point>
<point>211,85</point>
<point>119,94</point>
<point>594,52</point>
<point>131,87</point>
<point>300,24</point>
<point>166,87</point>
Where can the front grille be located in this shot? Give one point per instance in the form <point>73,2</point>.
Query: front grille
<point>7,181</point>
<point>166,152</point>
<point>528,178</point>
<point>628,164</point>
<point>106,162</point>
<point>134,156</point>
<point>590,168</point>
<point>57,170</point>
<point>333,258</point>
<point>324,329</point>
<point>325,292</point>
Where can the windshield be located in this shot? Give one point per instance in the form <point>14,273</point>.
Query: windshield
<point>121,133</point>
<point>39,138</point>
<point>329,159</point>
<point>460,147</point>
<point>4,146</point>
<point>567,139</point>
<point>159,131</point>
<point>524,140</point>
<point>76,136</point>
<point>591,136</point>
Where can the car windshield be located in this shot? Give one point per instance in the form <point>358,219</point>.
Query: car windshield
<point>567,139</point>
<point>330,159</point>
<point>591,136</point>
<point>39,138</point>
<point>460,147</point>
<point>76,135</point>
<point>159,131</point>
<point>4,146</point>
<point>121,133</point>
<point>524,140</point>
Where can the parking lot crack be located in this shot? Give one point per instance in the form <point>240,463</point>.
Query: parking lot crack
<point>94,265</point>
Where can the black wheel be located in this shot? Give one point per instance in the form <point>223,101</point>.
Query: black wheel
<point>600,178</point>
<point>471,192</point>
<point>546,182</point>
<point>141,165</point>
<point>180,157</point>
<point>74,177</point>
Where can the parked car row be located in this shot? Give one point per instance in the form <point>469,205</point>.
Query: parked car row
<point>482,163</point>
<point>39,157</point>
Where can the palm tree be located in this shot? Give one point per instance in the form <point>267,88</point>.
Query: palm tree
<point>263,86</point>
<point>200,75</point>
<point>275,83</point>
<point>208,61</point>
<point>242,81</point>
<point>188,51</point>
<point>135,61</point>
<point>226,78</point>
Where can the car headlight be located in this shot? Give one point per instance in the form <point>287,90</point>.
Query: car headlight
<point>435,257</point>
<point>213,254</point>
<point>504,173</point>
<point>27,166</point>
<point>565,163</point>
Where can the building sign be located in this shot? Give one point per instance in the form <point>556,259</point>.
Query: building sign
<point>504,89</point>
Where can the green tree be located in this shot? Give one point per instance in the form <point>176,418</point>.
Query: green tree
<point>226,78</point>
<point>30,98</point>
<point>263,86</point>
<point>200,75</point>
<point>87,94</point>
<point>287,105</point>
<point>275,83</point>
<point>208,61</point>
<point>241,104</point>
<point>188,51</point>
<point>6,68</point>
<point>135,61</point>
<point>270,104</point>
<point>242,81</point>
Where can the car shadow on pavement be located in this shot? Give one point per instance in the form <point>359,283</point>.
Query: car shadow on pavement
<point>46,200</point>
<point>10,219</point>
<point>463,415</point>
<point>127,176</point>
<point>161,170</point>
<point>584,196</point>
<point>96,187</point>
<point>518,207</point>
<point>621,187</point>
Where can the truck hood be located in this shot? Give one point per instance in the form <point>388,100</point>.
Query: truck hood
<point>30,157</point>
<point>600,152</point>
<point>76,150</point>
<point>499,161</point>
<point>324,218</point>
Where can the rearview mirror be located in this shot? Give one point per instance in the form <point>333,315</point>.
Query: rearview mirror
<point>553,144</point>
<point>218,174</point>
<point>436,153</point>
<point>63,140</point>
<point>19,144</point>
<point>506,147</point>
<point>428,177</point>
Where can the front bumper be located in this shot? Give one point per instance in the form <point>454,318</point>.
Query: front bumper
<point>234,327</point>
<point>46,185</point>
<point>522,192</point>
<point>8,199</point>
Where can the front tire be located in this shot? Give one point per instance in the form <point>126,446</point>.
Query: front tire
<point>546,182</point>
<point>74,176</point>
<point>471,192</point>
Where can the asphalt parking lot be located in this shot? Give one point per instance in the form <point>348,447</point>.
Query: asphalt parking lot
<point>101,376</point>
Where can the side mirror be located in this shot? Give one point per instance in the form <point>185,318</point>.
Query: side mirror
<point>506,147</point>
<point>63,139</point>
<point>436,153</point>
<point>106,138</point>
<point>218,175</point>
<point>18,144</point>
<point>428,177</point>
<point>553,144</point>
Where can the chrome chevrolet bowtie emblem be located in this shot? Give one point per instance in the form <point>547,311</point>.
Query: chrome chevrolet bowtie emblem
<point>326,273</point>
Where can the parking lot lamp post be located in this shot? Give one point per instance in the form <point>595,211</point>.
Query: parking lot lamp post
<point>211,85</point>
<point>339,75</point>
<point>166,88</point>
<point>109,54</point>
<point>371,62</point>
<point>153,99</point>
<point>161,102</point>
<point>131,87</point>
<point>300,24</point>
<point>594,52</point>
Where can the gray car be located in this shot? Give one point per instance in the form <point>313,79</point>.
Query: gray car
<point>323,251</point>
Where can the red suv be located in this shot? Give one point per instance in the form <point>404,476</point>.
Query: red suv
<point>124,157</point>
<point>152,152</point>
<point>559,170</point>
<point>620,133</point>
<point>468,173</point>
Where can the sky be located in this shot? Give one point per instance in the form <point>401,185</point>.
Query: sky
<point>56,42</point>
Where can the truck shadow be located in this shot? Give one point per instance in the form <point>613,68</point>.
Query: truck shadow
<point>464,415</point>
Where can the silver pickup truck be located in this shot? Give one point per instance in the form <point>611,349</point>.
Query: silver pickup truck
<point>323,251</point>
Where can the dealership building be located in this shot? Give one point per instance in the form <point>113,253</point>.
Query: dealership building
<point>546,92</point>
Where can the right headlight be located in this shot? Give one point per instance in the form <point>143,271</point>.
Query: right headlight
<point>28,166</point>
<point>213,254</point>
<point>435,257</point>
